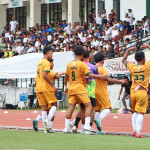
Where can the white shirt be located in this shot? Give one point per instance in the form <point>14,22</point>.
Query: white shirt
<point>13,25</point>
<point>104,15</point>
<point>68,29</point>
<point>49,37</point>
<point>19,48</point>
<point>31,50</point>
<point>146,26</point>
<point>37,44</point>
<point>95,43</point>
<point>99,20</point>
<point>130,15</point>
<point>25,40</point>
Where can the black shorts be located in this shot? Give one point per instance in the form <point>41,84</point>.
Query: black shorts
<point>93,103</point>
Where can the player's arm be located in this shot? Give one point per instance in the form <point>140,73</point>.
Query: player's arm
<point>104,76</point>
<point>57,76</point>
<point>46,77</point>
<point>110,80</point>
<point>120,93</point>
<point>125,57</point>
<point>145,46</point>
<point>65,83</point>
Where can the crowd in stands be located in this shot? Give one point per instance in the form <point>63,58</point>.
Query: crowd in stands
<point>104,34</point>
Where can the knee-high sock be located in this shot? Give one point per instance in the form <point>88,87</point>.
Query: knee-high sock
<point>44,116</point>
<point>87,121</point>
<point>39,117</point>
<point>52,112</point>
<point>134,117</point>
<point>104,113</point>
<point>139,123</point>
<point>97,115</point>
<point>67,124</point>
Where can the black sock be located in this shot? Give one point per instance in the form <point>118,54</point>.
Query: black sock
<point>91,124</point>
<point>77,121</point>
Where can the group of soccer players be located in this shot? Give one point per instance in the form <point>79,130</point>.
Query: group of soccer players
<point>86,85</point>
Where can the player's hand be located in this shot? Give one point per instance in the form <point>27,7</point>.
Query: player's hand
<point>66,91</point>
<point>62,73</point>
<point>122,81</point>
<point>127,97</point>
<point>55,89</point>
<point>119,98</point>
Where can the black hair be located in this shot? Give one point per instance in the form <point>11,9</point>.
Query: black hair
<point>79,50</point>
<point>126,77</point>
<point>51,60</point>
<point>139,56</point>
<point>99,57</point>
<point>86,54</point>
<point>47,49</point>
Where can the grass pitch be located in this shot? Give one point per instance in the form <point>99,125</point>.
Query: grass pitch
<point>13,139</point>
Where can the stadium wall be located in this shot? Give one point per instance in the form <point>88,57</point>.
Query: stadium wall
<point>12,95</point>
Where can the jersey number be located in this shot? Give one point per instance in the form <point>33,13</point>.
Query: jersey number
<point>73,76</point>
<point>140,78</point>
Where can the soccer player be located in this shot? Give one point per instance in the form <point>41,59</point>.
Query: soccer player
<point>101,92</point>
<point>52,75</point>
<point>140,82</point>
<point>45,89</point>
<point>77,93</point>
<point>90,86</point>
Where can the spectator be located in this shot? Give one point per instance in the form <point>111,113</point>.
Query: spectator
<point>91,19</point>
<point>13,25</point>
<point>30,49</point>
<point>104,17</point>
<point>68,29</point>
<point>64,24</point>
<point>99,21</point>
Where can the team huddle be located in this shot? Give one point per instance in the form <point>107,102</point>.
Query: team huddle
<point>86,85</point>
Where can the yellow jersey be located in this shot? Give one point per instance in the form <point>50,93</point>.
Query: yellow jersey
<point>76,71</point>
<point>140,75</point>
<point>41,84</point>
<point>101,84</point>
<point>10,53</point>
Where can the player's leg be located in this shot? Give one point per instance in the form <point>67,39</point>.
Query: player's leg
<point>140,108</point>
<point>93,103</point>
<point>83,98</point>
<point>72,99</point>
<point>78,117</point>
<point>43,103</point>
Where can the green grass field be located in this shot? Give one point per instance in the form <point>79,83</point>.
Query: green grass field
<point>12,139</point>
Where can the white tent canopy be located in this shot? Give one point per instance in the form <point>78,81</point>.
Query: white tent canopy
<point>24,66</point>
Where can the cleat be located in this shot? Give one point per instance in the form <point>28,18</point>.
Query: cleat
<point>97,122</point>
<point>99,132</point>
<point>139,135</point>
<point>66,131</point>
<point>74,129</point>
<point>46,126</point>
<point>89,130</point>
<point>51,130</point>
<point>72,123</point>
<point>134,133</point>
<point>35,125</point>
<point>82,131</point>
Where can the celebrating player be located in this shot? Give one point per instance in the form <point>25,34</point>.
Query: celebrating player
<point>45,89</point>
<point>77,93</point>
<point>101,92</point>
<point>52,75</point>
<point>140,82</point>
<point>90,86</point>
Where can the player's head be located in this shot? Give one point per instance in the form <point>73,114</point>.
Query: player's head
<point>99,57</point>
<point>140,57</point>
<point>52,64</point>
<point>79,50</point>
<point>48,52</point>
<point>86,55</point>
